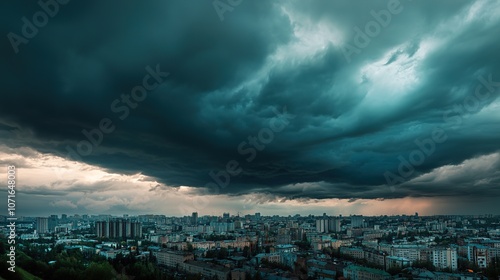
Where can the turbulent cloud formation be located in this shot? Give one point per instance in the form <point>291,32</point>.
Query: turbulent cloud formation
<point>274,91</point>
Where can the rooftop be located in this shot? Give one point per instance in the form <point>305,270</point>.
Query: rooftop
<point>367,269</point>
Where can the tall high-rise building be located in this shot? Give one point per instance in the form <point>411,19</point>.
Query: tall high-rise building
<point>443,258</point>
<point>225,216</point>
<point>53,222</point>
<point>238,225</point>
<point>328,225</point>
<point>356,221</point>
<point>42,225</point>
<point>478,254</point>
<point>322,225</point>
<point>334,225</point>
<point>194,218</point>
<point>257,216</point>
<point>118,228</point>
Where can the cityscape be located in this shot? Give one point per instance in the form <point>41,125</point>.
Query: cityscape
<point>255,246</point>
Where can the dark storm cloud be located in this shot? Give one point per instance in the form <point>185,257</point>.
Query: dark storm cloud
<point>350,122</point>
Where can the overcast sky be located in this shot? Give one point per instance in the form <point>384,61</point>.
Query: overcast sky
<point>279,107</point>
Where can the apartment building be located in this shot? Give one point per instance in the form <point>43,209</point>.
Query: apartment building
<point>354,272</point>
<point>411,252</point>
<point>354,252</point>
<point>443,258</point>
<point>206,269</point>
<point>173,258</point>
<point>396,262</point>
<point>117,228</point>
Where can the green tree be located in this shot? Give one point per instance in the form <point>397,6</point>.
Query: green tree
<point>493,269</point>
<point>223,253</point>
<point>100,271</point>
<point>64,273</point>
<point>246,252</point>
<point>211,254</point>
<point>142,271</point>
<point>394,270</point>
<point>424,264</point>
<point>303,245</point>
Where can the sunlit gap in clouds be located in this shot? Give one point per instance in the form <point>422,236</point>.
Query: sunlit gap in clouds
<point>396,74</point>
<point>310,40</point>
<point>66,184</point>
<point>48,168</point>
<point>310,37</point>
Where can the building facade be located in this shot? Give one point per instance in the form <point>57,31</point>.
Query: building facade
<point>173,258</point>
<point>42,225</point>
<point>444,258</point>
<point>118,228</point>
<point>354,272</point>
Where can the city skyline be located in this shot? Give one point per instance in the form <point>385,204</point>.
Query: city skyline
<point>228,247</point>
<point>390,107</point>
<point>102,217</point>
